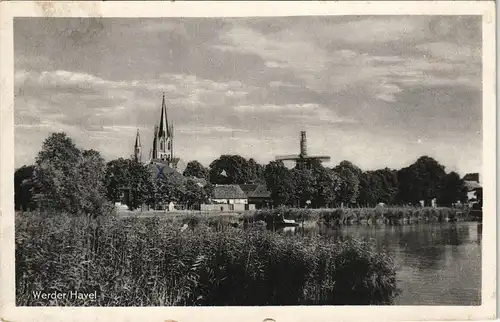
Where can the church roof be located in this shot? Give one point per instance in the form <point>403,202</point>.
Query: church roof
<point>158,168</point>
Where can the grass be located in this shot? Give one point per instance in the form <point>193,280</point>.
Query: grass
<point>151,262</point>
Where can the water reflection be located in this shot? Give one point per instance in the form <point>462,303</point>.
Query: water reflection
<point>438,264</point>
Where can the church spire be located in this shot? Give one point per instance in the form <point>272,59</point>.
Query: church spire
<point>137,140</point>
<point>137,147</point>
<point>164,130</point>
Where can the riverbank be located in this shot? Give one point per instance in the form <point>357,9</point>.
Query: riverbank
<point>156,262</point>
<point>378,215</point>
<point>312,217</point>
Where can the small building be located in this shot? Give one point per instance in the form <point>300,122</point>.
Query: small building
<point>227,197</point>
<point>257,195</point>
<point>229,194</point>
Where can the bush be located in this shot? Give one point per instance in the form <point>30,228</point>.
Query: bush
<point>150,262</point>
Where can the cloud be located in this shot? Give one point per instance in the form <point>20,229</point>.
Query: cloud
<point>247,85</point>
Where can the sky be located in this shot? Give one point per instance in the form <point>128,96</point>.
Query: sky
<point>379,91</point>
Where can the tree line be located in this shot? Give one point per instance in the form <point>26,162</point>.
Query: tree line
<point>65,178</point>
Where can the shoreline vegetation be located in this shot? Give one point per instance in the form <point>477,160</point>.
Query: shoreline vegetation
<point>154,262</point>
<point>334,217</point>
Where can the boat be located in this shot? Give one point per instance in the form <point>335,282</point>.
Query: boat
<point>279,221</point>
<point>289,223</point>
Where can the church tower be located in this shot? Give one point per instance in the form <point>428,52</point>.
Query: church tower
<point>163,147</point>
<point>138,148</point>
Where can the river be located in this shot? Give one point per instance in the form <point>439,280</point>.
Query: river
<point>437,264</point>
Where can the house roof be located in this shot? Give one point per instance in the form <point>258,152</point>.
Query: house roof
<point>228,191</point>
<point>248,188</point>
<point>261,192</point>
<point>472,177</point>
<point>471,185</point>
<point>255,190</point>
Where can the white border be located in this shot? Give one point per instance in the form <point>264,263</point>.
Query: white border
<point>11,9</point>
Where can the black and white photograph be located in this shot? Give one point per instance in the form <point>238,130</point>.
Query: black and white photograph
<point>301,160</point>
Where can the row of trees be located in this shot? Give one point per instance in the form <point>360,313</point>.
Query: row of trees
<point>68,179</point>
<point>345,183</point>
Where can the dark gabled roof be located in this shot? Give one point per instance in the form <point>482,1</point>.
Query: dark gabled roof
<point>472,185</point>
<point>472,177</point>
<point>261,192</point>
<point>228,191</point>
<point>248,188</point>
<point>255,190</point>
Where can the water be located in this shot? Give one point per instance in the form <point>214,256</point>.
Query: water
<point>437,264</point>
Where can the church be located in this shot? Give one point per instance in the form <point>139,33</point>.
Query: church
<point>161,156</point>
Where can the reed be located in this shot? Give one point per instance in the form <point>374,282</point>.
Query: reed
<point>346,216</point>
<point>152,262</point>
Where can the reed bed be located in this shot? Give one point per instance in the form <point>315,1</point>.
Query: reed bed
<point>154,262</point>
<point>346,216</point>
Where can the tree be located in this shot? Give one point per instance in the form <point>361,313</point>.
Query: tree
<point>195,169</point>
<point>194,194</point>
<point>117,178</point>
<point>304,186</point>
<point>349,175</point>
<point>229,169</point>
<point>68,180</point>
<point>327,186</point>
<point>23,184</point>
<point>452,190</point>
<point>279,183</point>
<point>140,185</point>
<point>54,175</point>
<point>89,180</point>
<point>420,181</point>
<point>169,188</point>
<point>256,172</point>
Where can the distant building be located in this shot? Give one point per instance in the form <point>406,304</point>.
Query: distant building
<point>257,194</point>
<point>227,197</point>
<point>474,188</point>
<point>229,194</point>
<point>163,141</point>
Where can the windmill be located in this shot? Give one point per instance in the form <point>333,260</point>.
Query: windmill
<point>302,159</point>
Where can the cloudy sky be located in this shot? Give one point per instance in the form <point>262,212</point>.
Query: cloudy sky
<point>378,91</point>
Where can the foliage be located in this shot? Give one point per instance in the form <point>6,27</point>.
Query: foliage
<point>89,180</point>
<point>169,188</point>
<point>149,262</point>
<point>229,169</point>
<point>378,186</point>
<point>194,194</point>
<point>129,177</point>
<point>304,186</point>
<point>23,184</point>
<point>420,181</point>
<point>452,190</point>
<point>256,172</point>
<point>349,175</point>
<point>327,186</point>
<point>279,181</point>
<point>54,174</point>
<point>195,169</point>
